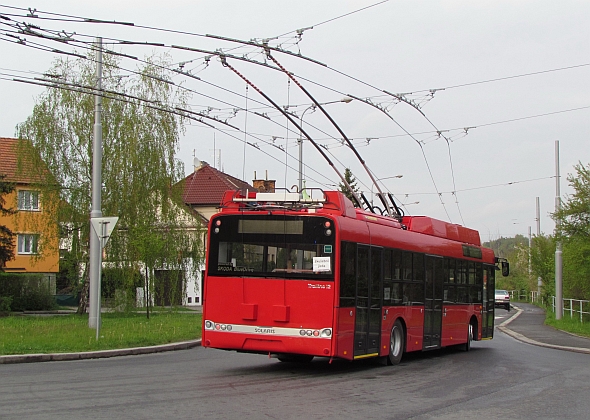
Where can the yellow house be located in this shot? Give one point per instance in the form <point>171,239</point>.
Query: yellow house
<point>34,224</point>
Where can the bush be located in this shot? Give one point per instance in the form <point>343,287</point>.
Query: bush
<point>28,292</point>
<point>118,288</point>
<point>5,302</point>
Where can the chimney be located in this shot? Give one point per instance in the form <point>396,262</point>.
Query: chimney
<point>264,185</point>
<point>197,164</point>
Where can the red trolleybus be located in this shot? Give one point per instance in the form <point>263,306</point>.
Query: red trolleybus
<point>297,278</point>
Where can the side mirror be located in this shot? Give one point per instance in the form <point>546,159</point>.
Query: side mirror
<point>505,268</point>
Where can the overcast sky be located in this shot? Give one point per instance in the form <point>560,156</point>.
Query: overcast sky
<point>508,79</point>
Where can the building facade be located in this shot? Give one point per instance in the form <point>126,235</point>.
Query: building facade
<point>34,225</point>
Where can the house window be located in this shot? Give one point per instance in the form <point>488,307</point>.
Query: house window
<point>27,243</point>
<point>28,200</point>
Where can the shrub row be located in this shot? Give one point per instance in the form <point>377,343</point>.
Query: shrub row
<point>25,292</point>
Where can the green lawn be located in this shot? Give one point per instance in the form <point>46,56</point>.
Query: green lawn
<point>70,333</point>
<point>566,323</point>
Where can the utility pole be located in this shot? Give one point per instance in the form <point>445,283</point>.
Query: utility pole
<point>530,244</point>
<point>96,210</point>
<point>558,256</point>
<point>538,219</point>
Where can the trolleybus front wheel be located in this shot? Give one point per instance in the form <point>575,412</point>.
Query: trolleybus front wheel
<point>396,343</point>
<point>467,346</point>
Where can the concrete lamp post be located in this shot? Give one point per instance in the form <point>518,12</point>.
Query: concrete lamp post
<point>312,107</point>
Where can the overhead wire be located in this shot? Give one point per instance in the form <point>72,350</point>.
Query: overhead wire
<point>268,48</point>
<point>80,56</point>
<point>300,31</point>
<point>85,44</point>
<point>449,87</point>
<point>127,98</point>
<point>504,184</point>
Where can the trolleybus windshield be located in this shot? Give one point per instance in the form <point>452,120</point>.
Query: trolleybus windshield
<point>272,246</point>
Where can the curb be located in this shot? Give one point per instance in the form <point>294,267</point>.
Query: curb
<point>503,327</point>
<point>100,354</point>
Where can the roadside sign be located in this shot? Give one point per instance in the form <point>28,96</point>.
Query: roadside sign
<point>103,226</point>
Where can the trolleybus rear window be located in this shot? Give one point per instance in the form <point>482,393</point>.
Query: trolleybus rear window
<point>272,246</point>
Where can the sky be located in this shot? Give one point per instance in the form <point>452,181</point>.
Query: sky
<point>487,89</point>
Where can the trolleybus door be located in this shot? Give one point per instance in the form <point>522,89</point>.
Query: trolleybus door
<point>367,334</point>
<point>433,301</point>
<point>487,316</point>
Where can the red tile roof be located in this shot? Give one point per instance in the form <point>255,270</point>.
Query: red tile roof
<point>9,161</point>
<point>206,186</point>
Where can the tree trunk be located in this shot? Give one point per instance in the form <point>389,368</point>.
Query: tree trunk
<point>147,294</point>
<point>83,304</point>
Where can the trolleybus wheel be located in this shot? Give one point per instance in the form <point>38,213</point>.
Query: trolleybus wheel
<point>469,337</point>
<point>295,358</point>
<point>396,343</point>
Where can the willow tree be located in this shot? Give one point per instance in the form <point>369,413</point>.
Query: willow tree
<point>139,168</point>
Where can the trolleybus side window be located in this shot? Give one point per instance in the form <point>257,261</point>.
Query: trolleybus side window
<point>476,289</point>
<point>387,277</point>
<point>461,280</point>
<point>418,267</point>
<point>397,292</point>
<point>376,274</point>
<point>407,265</point>
<point>479,274</point>
<point>449,294</point>
<point>471,272</point>
<point>347,274</point>
<point>396,257</point>
<point>362,284</point>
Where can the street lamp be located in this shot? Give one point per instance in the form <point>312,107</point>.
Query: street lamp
<point>379,179</point>
<point>313,107</point>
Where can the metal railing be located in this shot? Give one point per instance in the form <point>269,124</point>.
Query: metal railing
<point>520,295</point>
<point>574,306</point>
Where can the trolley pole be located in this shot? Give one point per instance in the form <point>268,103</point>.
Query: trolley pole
<point>96,210</point>
<point>558,256</point>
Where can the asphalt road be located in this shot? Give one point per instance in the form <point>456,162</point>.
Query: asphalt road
<point>498,379</point>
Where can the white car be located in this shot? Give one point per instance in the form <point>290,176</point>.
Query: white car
<point>502,298</point>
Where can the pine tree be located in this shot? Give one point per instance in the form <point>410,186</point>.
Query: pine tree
<point>349,177</point>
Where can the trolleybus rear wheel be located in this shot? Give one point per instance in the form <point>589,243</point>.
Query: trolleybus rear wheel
<point>396,343</point>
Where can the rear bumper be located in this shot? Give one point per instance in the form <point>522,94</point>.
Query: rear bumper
<point>259,339</point>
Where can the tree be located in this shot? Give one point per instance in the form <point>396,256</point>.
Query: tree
<point>349,177</point>
<point>543,263</point>
<point>139,168</point>
<point>516,251</point>
<point>574,233</point>
<point>574,215</point>
<point>576,268</point>
<point>6,235</point>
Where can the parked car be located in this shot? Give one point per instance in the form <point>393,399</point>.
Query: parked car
<point>502,298</point>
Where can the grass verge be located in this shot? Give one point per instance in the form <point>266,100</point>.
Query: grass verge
<point>566,323</point>
<point>70,333</point>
